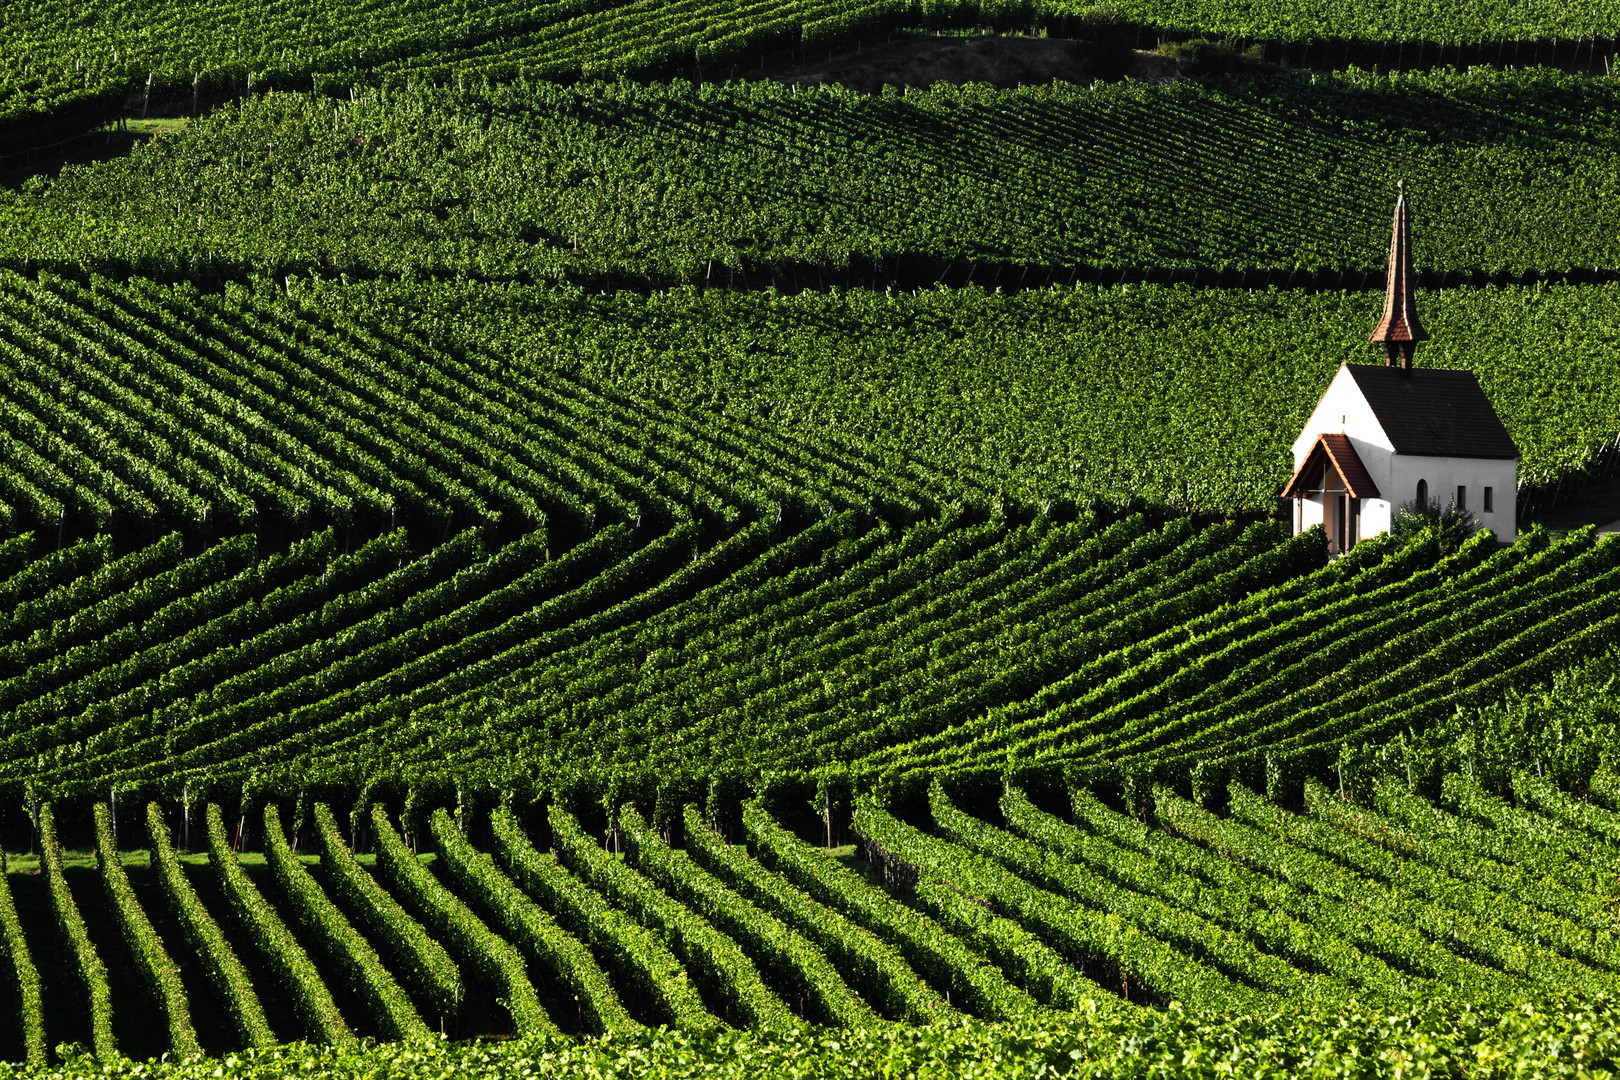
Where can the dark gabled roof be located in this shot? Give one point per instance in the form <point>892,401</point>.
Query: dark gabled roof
<point>1433,412</point>
<point>1333,452</point>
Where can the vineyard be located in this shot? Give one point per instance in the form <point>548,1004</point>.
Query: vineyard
<point>58,59</point>
<point>227,414</point>
<point>138,408</point>
<point>681,538</point>
<point>846,650</point>
<point>592,718</point>
<point>759,184</point>
<point>1021,915</point>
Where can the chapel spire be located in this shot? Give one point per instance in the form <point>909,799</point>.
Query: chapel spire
<point>1399,330</point>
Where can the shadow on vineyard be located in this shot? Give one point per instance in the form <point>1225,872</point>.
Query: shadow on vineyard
<point>1596,501</point>
<point>924,270</point>
<point>75,147</point>
<point>902,270</point>
<point>1310,50</point>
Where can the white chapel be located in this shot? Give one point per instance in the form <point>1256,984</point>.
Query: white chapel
<point>1389,434</point>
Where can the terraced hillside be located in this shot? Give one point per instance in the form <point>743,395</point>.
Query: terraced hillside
<point>754,184</point>
<point>139,408</point>
<point>571,539</point>
<point>134,407</point>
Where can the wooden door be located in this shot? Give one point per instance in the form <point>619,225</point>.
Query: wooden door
<point>1335,513</point>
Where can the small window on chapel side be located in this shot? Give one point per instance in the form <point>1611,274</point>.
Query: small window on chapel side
<point>1462,497</point>
<point>1487,503</point>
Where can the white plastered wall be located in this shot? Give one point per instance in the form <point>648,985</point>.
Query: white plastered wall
<point>1375,516</point>
<point>1308,512</point>
<point>1445,474</point>
<point>1343,411</point>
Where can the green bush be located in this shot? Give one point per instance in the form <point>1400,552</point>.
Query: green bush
<point>1444,528</point>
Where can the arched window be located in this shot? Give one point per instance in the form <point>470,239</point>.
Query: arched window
<point>1423,494</point>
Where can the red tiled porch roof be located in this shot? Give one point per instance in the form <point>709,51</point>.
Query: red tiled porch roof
<point>1333,451</point>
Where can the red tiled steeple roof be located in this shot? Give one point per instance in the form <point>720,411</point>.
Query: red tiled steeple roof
<point>1400,322</point>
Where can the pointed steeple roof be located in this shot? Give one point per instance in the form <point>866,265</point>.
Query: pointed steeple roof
<point>1400,329</point>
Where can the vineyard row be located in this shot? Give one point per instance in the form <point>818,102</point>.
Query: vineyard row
<point>137,408</point>
<point>1105,650</point>
<point>1014,914</point>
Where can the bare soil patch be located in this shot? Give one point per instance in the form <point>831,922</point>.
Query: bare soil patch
<point>917,59</point>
